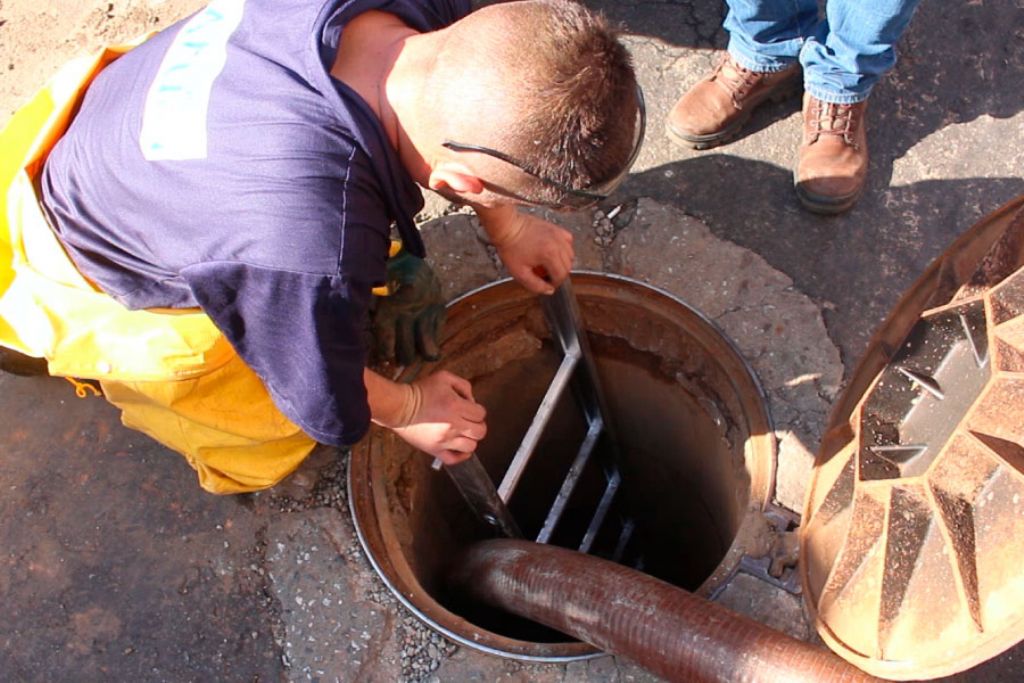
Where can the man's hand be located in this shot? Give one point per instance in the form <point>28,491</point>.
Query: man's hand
<point>538,254</point>
<point>449,422</point>
<point>436,414</point>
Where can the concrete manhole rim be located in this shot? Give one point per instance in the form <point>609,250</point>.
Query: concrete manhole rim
<point>760,447</point>
<point>842,447</point>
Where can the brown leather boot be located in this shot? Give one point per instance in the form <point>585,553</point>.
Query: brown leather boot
<point>833,160</point>
<point>715,109</point>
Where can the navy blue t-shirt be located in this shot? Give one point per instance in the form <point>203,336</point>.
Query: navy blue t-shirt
<point>220,165</point>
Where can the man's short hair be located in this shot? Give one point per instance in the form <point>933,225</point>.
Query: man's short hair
<point>548,83</point>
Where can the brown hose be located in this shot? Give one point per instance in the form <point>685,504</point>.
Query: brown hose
<point>664,629</point>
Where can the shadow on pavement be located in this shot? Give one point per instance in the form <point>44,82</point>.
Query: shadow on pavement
<point>857,264</point>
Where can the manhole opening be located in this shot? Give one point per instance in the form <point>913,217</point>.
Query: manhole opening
<point>685,413</point>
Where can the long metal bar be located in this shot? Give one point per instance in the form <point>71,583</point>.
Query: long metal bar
<point>628,527</point>
<point>566,322</point>
<point>540,420</point>
<point>602,512</point>
<point>571,479</point>
<point>475,485</point>
<point>563,318</point>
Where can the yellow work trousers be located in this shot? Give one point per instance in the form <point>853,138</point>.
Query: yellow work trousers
<point>171,372</point>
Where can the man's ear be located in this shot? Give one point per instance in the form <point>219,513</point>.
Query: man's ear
<point>456,177</point>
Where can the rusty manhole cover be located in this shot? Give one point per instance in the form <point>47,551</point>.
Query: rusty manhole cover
<point>913,537</point>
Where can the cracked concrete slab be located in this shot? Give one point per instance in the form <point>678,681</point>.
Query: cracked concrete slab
<point>780,610</point>
<point>330,621</point>
<point>779,330</point>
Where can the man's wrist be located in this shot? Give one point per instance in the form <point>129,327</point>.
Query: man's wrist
<point>392,405</point>
<point>503,224</point>
<point>401,411</point>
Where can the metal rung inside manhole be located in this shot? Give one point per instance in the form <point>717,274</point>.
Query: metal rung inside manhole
<point>576,370</point>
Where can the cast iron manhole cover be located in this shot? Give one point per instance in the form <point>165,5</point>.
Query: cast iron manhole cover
<point>913,539</point>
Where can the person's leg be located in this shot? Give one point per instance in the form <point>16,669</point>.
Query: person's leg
<point>765,37</point>
<point>224,423</point>
<point>842,61</point>
<point>853,48</point>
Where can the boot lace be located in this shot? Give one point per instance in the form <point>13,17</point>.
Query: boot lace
<point>738,83</point>
<point>829,118</point>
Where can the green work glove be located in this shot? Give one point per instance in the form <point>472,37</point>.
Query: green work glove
<point>406,323</point>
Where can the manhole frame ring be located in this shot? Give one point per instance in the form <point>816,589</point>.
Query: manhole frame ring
<point>724,573</point>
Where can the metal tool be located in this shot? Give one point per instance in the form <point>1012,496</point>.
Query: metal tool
<point>577,372</point>
<point>475,485</point>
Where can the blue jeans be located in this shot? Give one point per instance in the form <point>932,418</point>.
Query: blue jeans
<point>843,54</point>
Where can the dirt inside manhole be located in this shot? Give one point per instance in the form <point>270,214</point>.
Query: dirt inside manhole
<point>694,442</point>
